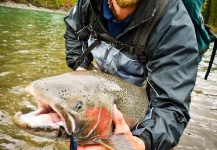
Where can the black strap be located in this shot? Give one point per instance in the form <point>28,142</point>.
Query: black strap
<point>87,51</point>
<point>117,44</point>
<point>211,59</point>
<point>120,46</point>
<point>213,38</point>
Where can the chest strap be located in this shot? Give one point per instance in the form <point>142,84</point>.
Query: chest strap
<point>213,39</point>
<point>85,53</point>
<point>141,57</point>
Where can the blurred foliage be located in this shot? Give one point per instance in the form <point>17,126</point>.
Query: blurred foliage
<point>51,4</point>
<point>210,14</point>
<point>209,10</point>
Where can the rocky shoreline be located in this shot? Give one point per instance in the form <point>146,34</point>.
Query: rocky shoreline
<point>29,7</point>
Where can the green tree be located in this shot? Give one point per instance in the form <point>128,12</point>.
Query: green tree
<point>210,13</point>
<point>206,11</point>
<point>213,13</point>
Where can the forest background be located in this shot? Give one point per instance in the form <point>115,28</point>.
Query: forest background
<point>209,10</point>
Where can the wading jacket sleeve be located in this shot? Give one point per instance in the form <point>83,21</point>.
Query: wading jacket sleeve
<point>75,44</point>
<point>172,70</point>
<point>171,73</point>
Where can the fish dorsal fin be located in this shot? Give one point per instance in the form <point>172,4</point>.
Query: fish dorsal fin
<point>117,142</point>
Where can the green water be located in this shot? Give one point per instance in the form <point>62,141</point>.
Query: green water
<point>32,47</point>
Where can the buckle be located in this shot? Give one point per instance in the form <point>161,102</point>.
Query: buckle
<point>131,49</point>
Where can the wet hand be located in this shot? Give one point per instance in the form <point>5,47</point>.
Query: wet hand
<point>122,127</point>
<point>82,69</point>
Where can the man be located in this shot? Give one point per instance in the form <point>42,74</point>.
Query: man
<point>169,67</point>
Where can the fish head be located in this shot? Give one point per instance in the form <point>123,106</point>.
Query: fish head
<point>80,109</point>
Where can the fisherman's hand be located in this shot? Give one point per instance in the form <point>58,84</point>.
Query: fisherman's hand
<point>122,127</point>
<point>80,68</point>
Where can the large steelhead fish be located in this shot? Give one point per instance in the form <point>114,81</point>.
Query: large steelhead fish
<point>80,104</point>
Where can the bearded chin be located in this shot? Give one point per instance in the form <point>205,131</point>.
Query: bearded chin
<point>126,3</point>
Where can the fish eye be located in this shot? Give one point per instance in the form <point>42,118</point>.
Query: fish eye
<point>79,104</point>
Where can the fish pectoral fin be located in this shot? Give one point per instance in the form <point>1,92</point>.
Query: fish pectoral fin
<point>117,142</point>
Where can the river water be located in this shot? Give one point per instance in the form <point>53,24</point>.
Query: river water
<point>32,47</point>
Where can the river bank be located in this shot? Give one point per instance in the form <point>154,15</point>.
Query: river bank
<point>30,7</point>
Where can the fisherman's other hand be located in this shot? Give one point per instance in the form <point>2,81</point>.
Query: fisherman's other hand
<point>80,68</point>
<point>123,128</point>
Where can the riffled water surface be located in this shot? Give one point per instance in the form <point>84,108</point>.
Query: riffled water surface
<point>32,47</point>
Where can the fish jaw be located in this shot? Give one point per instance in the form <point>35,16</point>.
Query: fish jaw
<point>33,123</point>
<point>47,121</point>
<point>44,122</point>
<point>53,100</point>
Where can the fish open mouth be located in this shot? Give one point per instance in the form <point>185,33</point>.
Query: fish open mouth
<point>43,122</point>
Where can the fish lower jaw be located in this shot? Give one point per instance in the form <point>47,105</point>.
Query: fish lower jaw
<point>41,124</point>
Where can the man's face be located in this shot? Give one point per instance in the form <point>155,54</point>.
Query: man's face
<point>126,3</point>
